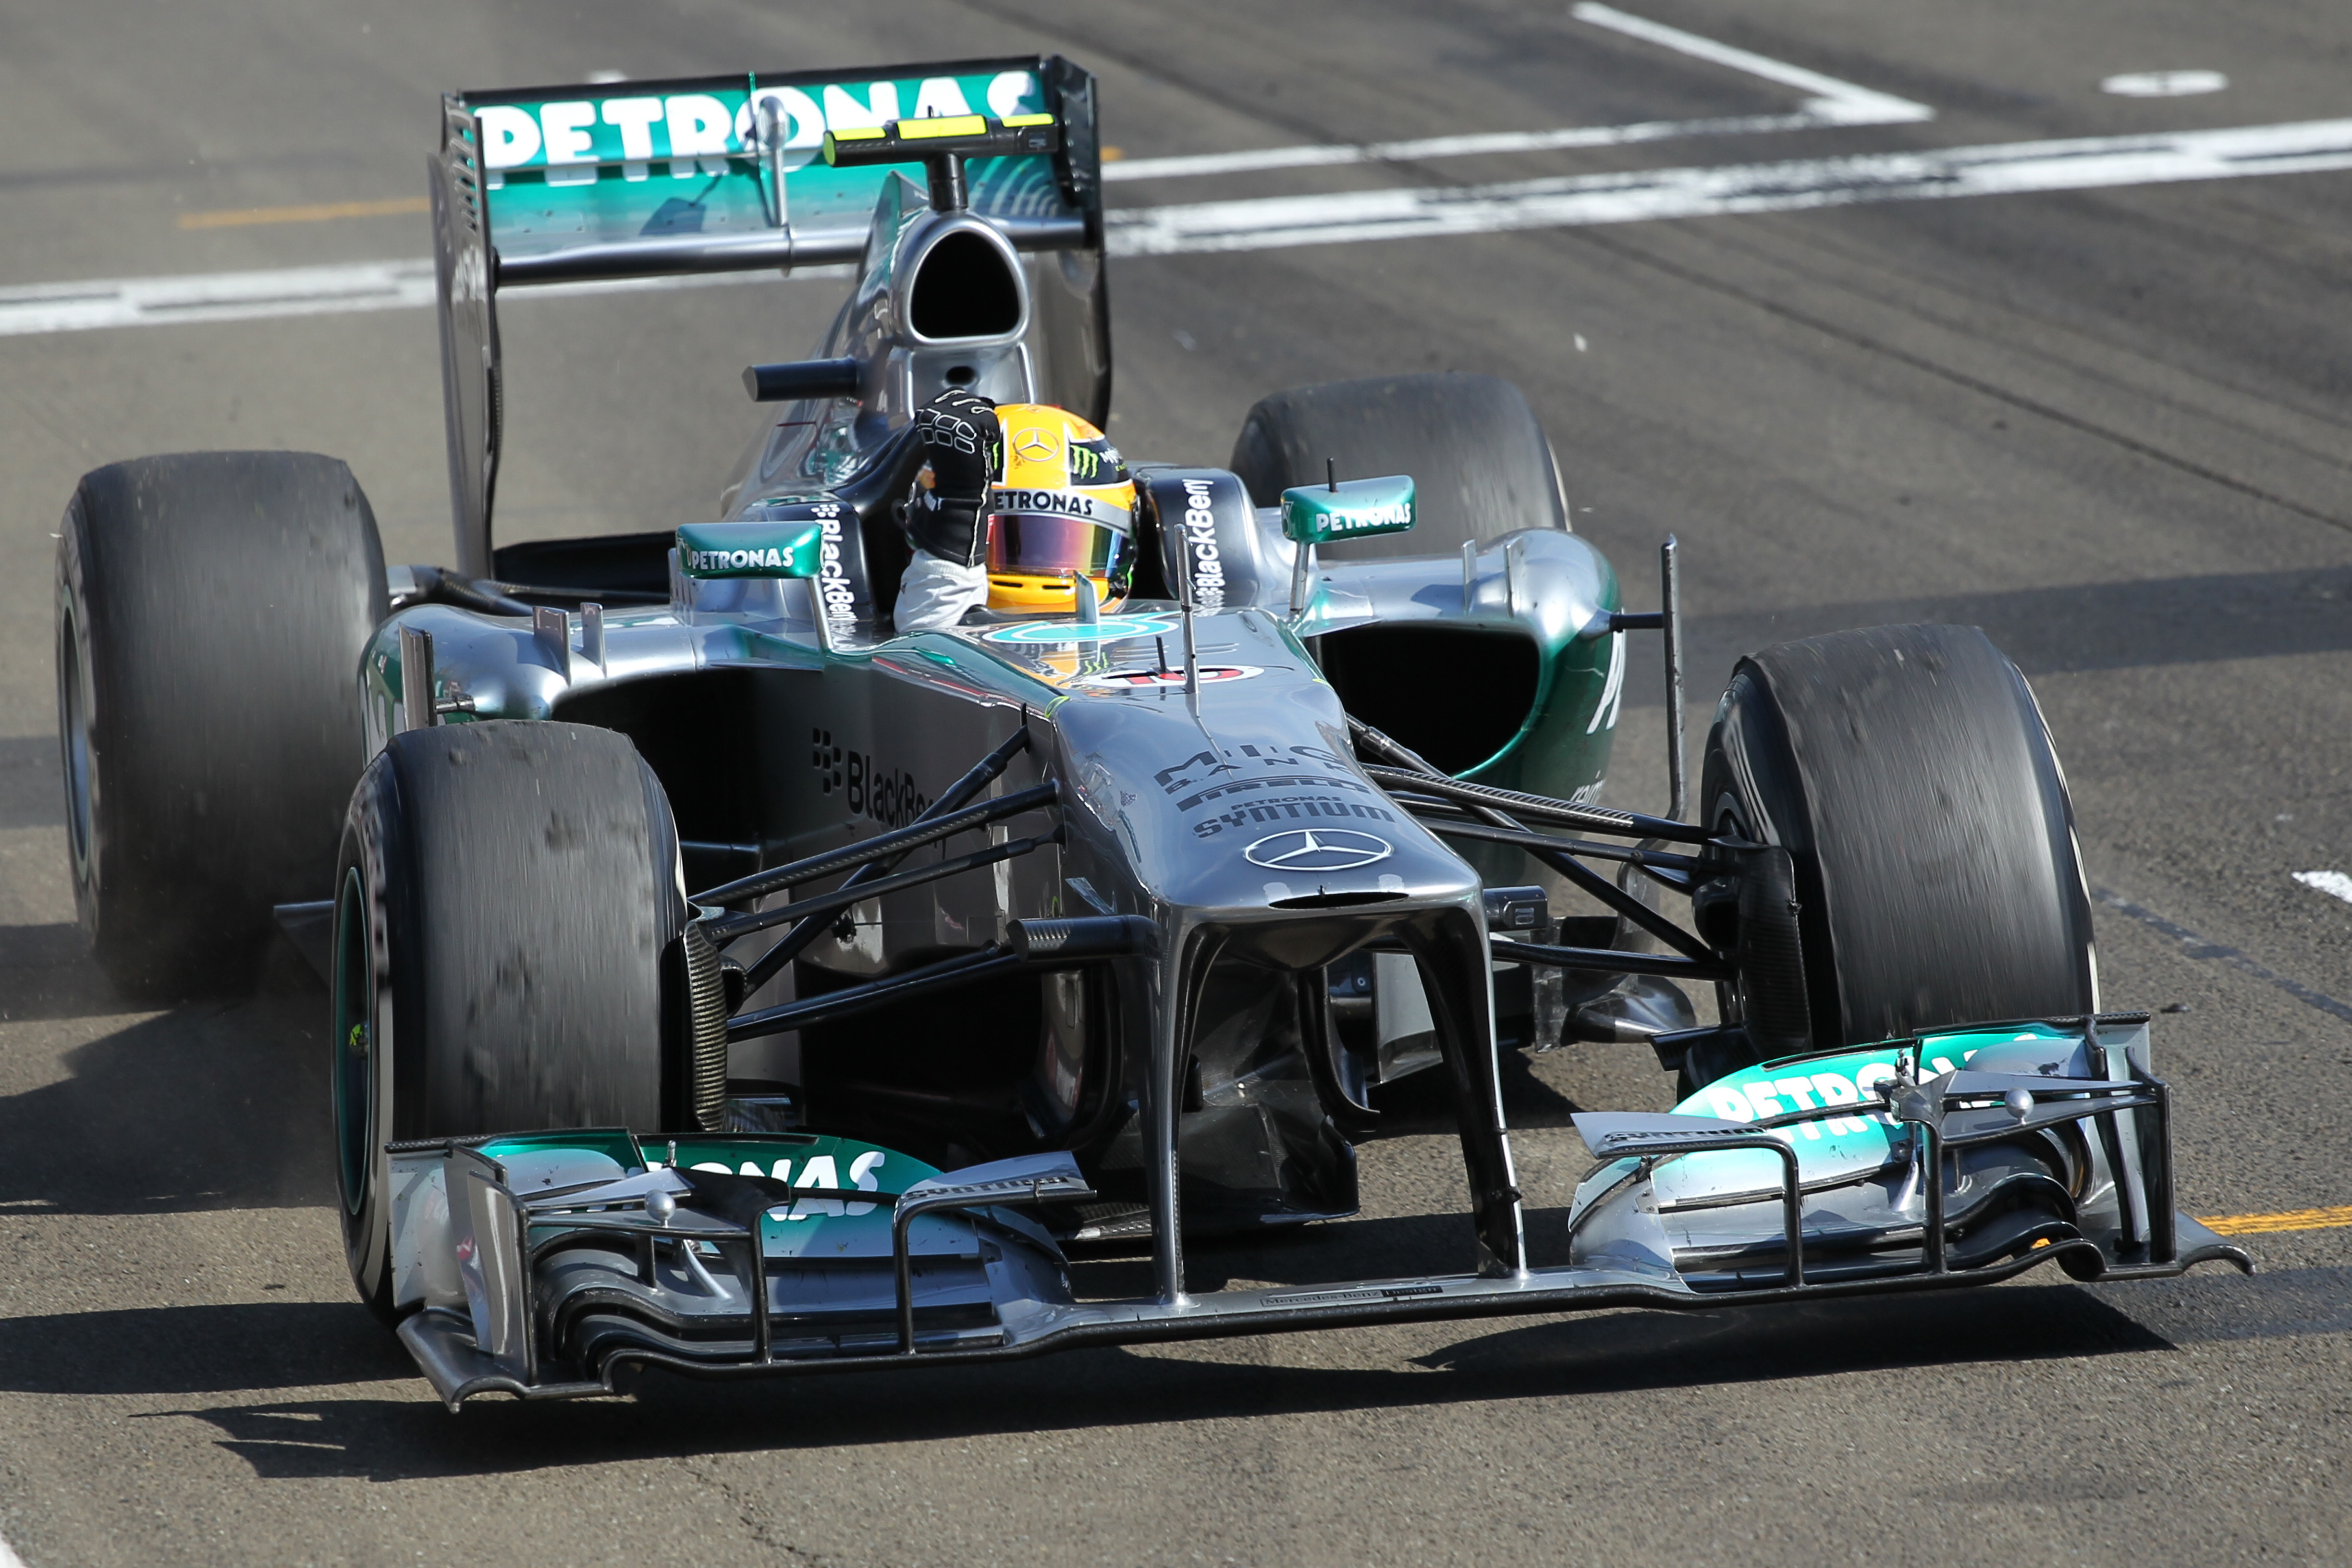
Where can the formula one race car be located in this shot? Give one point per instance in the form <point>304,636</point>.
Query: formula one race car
<point>728,981</point>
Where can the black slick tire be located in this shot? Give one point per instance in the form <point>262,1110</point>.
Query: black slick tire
<point>1908,775</point>
<point>1480,465</point>
<point>212,609</point>
<point>507,953</point>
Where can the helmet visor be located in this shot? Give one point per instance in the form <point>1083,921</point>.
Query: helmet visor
<point>1043,544</point>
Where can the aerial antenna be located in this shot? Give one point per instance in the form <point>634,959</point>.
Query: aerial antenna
<point>1331,474</point>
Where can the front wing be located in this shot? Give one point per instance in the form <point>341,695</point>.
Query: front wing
<point>543,1265</point>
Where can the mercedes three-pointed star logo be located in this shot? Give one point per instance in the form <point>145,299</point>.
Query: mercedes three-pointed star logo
<point>1318,849</point>
<point>1037,445</point>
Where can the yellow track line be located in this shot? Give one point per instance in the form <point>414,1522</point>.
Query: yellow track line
<point>2291,1219</point>
<point>315,212</point>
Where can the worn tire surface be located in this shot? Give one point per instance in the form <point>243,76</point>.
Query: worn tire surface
<point>1480,465</point>
<point>506,943</point>
<point>1907,772</point>
<point>212,607</point>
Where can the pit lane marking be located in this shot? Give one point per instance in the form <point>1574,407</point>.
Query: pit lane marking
<point>1832,98</point>
<point>2336,884</point>
<point>332,291</point>
<point>1190,166</point>
<point>2286,1219</point>
<point>1833,102</point>
<point>313,212</point>
<point>2164,84</point>
<point>2018,168</point>
<point>1271,223</point>
<point>2195,946</point>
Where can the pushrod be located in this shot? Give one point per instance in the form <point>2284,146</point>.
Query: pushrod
<point>856,892</point>
<point>1610,961</point>
<point>1674,866</point>
<point>882,845</point>
<point>854,999</point>
<point>1483,801</point>
<point>790,945</point>
<point>1590,818</point>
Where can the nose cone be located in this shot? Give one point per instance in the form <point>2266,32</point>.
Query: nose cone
<point>1255,811</point>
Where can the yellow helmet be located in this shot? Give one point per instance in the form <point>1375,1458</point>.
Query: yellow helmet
<point>1063,505</point>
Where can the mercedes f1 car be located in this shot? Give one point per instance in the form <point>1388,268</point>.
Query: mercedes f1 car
<point>725,980</point>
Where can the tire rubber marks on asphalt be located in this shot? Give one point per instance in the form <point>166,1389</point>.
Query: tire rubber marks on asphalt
<point>2195,946</point>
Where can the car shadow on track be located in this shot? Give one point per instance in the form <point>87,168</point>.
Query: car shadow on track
<point>210,1349</point>
<point>2096,626</point>
<point>1613,1352</point>
<point>2066,628</point>
<point>205,1106</point>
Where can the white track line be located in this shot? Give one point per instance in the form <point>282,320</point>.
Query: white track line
<point>1835,104</point>
<point>215,297</point>
<point>2011,169</point>
<point>283,291</point>
<point>1839,103</point>
<point>2335,883</point>
<point>2015,168</point>
<point>1456,146</point>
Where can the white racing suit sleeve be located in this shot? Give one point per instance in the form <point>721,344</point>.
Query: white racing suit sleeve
<point>934,594</point>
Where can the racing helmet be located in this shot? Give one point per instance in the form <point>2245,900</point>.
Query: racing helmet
<point>1063,504</point>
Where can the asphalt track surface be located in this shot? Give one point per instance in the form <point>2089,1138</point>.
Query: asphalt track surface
<point>2106,423</point>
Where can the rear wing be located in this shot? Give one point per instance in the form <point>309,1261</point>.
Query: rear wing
<point>574,184</point>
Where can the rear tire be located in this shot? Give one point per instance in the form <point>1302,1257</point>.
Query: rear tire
<point>212,608</point>
<point>1909,773</point>
<point>506,953</point>
<point>1480,465</point>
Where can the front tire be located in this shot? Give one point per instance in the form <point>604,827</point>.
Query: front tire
<point>1908,775</point>
<point>212,607</point>
<point>506,953</point>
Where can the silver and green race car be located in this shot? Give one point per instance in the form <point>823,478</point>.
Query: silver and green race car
<point>724,982</point>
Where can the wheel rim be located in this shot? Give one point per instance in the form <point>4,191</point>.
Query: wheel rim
<point>353,1045</point>
<point>73,712</point>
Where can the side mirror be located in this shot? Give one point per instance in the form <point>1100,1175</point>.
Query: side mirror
<point>1356,509</point>
<point>787,548</point>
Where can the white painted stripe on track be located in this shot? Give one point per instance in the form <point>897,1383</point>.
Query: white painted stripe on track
<point>1316,157</point>
<point>2007,169</point>
<point>1835,104</point>
<point>284,291</point>
<point>215,297</point>
<point>2335,883</point>
<point>1270,223</point>
<point>1842,102</point>
<point>8,1558</point>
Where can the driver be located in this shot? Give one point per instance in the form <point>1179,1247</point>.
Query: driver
<point>1015,503</point>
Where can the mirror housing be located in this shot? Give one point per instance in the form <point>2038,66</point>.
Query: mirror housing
<point>1354,509</point>
<point>785,547</point>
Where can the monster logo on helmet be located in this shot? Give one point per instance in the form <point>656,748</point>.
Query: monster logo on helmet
<point>1063,505</point>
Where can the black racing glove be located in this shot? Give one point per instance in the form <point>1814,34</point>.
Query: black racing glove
<point>965,447</point>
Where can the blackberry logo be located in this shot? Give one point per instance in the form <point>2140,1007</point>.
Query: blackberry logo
<point>826,757</point>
